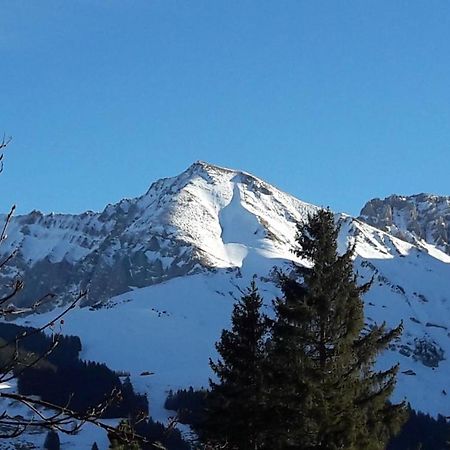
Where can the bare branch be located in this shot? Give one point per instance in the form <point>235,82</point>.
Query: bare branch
<point>7,221</point>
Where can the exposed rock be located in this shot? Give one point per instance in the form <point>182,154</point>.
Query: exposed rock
<point>416,218</point>
<point>428,352</point>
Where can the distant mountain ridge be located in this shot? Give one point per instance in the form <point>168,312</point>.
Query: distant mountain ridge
<point>416,218</point>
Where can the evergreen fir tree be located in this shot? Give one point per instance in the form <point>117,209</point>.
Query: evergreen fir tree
<point>234,401</point>
<point>94,446</point>
<point>52,441</point>
<point>323,391</point>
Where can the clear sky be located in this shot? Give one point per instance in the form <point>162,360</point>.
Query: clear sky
<point>335,102</point>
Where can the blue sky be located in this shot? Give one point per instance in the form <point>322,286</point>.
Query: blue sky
<point>334,102</point>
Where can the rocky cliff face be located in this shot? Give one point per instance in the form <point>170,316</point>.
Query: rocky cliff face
<point>417,218</point>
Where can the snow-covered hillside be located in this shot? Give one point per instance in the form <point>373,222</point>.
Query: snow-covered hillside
<point>165,268</point>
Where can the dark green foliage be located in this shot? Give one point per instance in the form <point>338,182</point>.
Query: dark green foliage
<point>152,432</point>
<point>189,404</point>
<point>65,353</point>
<point>423,432</point>
<point>52,441</point>
<point>234,401</point>
<point>323,392</point>
<point>82,385</point>
<point>94,446</point>
<point>65,377</point>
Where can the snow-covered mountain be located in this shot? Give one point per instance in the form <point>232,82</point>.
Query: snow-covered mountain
<point>205,218</point>
<point>420,219</point>
<point>164,269</point>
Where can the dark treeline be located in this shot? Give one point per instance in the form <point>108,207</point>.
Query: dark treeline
<point>65,353</point>
<point>67,380</point>
<point>189,405</point>
<point>83,385</point>
<point>423,432</point>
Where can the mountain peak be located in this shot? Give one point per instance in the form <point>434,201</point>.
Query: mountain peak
<point>209,176</point>
<point>204,165</point>
<point>204,168</point>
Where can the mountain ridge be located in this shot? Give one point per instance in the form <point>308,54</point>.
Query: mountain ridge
<point>420,218</point>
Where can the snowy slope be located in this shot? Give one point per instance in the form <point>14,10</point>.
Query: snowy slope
<point>178,257</point>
